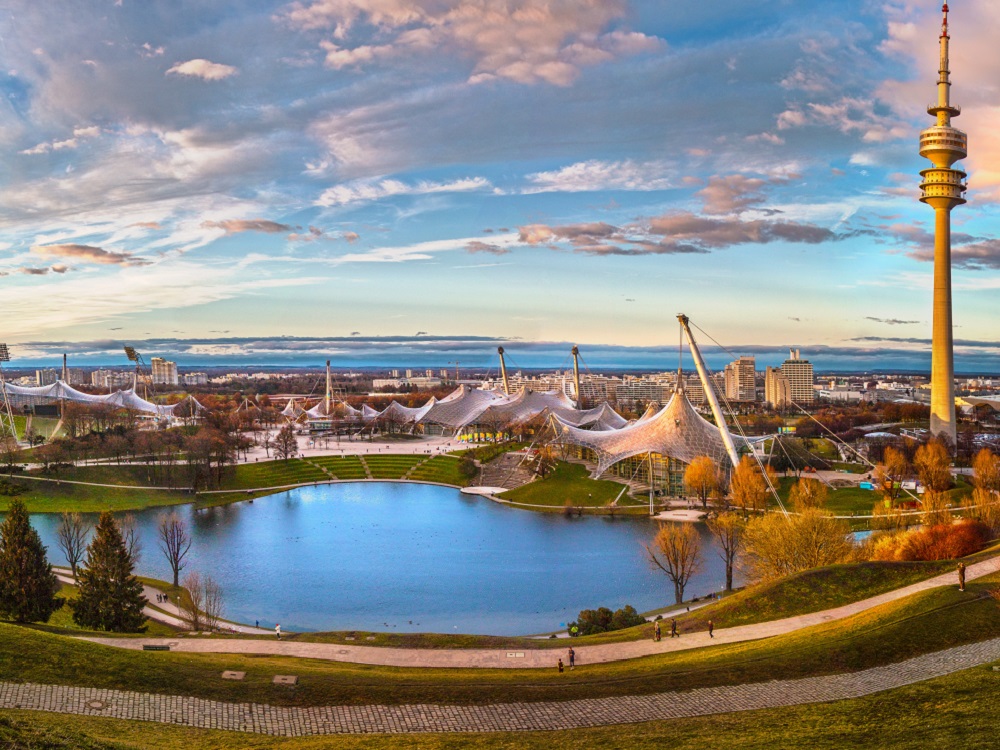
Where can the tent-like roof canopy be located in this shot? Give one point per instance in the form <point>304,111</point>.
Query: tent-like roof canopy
<point>61,391</point>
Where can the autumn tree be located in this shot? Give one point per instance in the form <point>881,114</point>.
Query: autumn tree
<point>748,487</point>
<point>933,465</point>
<point>986,469</point>
<point>808,493</point>
<point>110,596</point>
<point>891,472</point>
<point>984,503</point>
<point>28,587</point>
<point>935,509</point>
<point>727,528</point>
<point>777,546</point>
<point>676,550</point>
<point>701,478</point>
<point>174,542</point>
<point>286,445</point>
<point>71,536</point>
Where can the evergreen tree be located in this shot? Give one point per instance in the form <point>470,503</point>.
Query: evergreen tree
<point>28,587</point>
<point>110,595</point>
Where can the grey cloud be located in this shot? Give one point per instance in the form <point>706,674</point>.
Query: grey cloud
<point>476,246</point>
<point>235,226</point>
<point>89,254</point>
<point>892,321</point>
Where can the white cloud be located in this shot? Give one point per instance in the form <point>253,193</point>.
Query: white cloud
<point>373,190</point>
<point>597,175</point>
<point>79,134</point>
<point>200,68</point>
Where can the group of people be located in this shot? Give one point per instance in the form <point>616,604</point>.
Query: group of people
<point>674,632</point>
<point>162,598</point>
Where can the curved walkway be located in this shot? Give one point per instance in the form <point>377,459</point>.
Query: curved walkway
<point>541,658</point>
<point>503,717</point>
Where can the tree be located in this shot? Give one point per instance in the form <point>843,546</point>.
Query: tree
<point>777,546</point>
<point>933,465</point>
<point>9,451</point>
<point>808,493</point>
<point>286,445</point>
<point>986,467</point>
<point>110,595</point>
<point>174,542</point>
<point>935,508</point>
<point>676,550</point>
<point>891,472</point>
<point>194,602</point>
<point>71,536</point>
<point>748,488</point>
<point>28,587</point>
<point>727,528</point>
<point>701,478</point>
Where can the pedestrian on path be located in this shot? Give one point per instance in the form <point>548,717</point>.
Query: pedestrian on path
<point>961,576</point>
<point>656,630</point>
<point>560,666</point>
<point>256,624</point>
<point>277,630</point>
<point>673,628</point>
<point>711,627</point>
<point>572,657</point>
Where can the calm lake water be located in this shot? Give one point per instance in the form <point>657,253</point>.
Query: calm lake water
<point>413,558</point>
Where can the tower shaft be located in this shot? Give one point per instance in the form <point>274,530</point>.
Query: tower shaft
<point>942,189</point>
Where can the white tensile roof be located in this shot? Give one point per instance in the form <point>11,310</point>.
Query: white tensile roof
<point>61,391</point>
<point>677,430</point>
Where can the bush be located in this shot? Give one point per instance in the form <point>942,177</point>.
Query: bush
<point>941,542</point>
<point>603,620</point>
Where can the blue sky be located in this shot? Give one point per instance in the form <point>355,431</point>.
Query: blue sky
<point>203,179</point>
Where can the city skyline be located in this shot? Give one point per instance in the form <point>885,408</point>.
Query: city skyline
<point>361,174</point>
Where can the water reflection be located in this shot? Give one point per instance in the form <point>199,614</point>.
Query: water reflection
<point>410,558</point>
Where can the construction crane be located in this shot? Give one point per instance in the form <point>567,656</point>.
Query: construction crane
<point>140,364</point>
<point>456,363</point>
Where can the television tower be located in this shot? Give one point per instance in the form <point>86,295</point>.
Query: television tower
<point>943,188</point>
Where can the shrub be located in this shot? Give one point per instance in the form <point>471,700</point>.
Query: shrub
<point>603,620</point>
<point>941,542</point>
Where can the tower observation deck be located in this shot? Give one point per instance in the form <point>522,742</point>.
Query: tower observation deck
<point>942,189</point>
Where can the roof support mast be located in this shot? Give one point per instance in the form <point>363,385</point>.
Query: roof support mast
<point>327,400</point>
<point>706,383</point>
<point>576,376</point>
<point>503,372</point>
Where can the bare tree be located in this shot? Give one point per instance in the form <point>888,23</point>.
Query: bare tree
<point>193,604</point>
<point>212,602</point>
<point>174,542</point>
<point>286,445</point>
<point>676,550</point>
<point>727,528</point>
<point>71,536</point>
<point>130,533</point>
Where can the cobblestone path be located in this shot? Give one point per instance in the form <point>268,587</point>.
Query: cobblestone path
<point>504,717</point>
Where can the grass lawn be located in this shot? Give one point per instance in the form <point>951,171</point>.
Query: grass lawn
<point>391,466</point>
<point>342,467</point>
<point>442,469</point>
<point>61,621</point>
<point>841,501</point>
<point>273,474</point>
<point>567,482</point>
<point>52,497</point>
<point>923,623</point>
<point>957,711</point>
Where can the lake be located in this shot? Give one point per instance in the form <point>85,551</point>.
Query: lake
<point>398,557</point>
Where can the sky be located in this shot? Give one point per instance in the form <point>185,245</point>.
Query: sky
<point>404,181</point>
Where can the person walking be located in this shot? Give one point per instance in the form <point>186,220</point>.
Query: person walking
<point>961,576</point>
<point>560,666</point>
<point>277,630</point>
<point>673,628</point>
<point>572,657</point>
<point>711,627</point>
<point>656,630</point>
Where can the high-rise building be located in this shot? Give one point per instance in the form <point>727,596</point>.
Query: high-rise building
<point>164,371</point>
<point>942,189</point>
<point>800,378</point>
<point>777,389</point>
<point>46,377</point>
<point>741,379</point>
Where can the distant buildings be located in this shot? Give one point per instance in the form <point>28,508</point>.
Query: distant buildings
<point>777,388</point>
<point>741,380</point>
<point>195,378</point>
<point>164,371</point>
<point>800,378</point>
<point>111,380</point>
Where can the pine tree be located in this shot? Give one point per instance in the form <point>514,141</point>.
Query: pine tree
<point>110,596</point>
<point>28,587</point>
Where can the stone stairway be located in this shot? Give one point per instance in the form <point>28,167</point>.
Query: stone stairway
<point>415,466</point>
<point>364,464</point>
<point>321,468</point>
<point>505,471</point>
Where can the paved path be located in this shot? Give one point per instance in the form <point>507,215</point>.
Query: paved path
<point>541,658</point>
<point>503,717</point>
